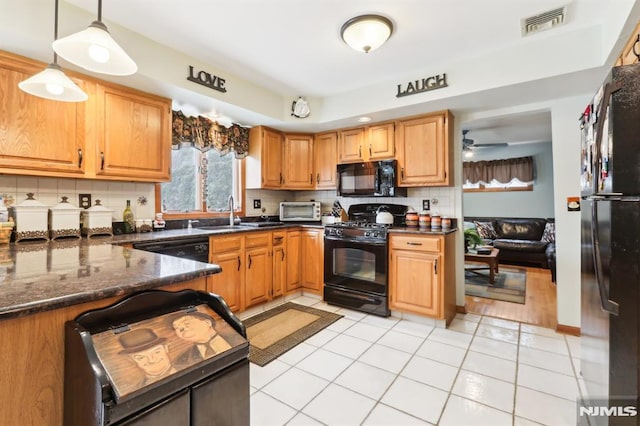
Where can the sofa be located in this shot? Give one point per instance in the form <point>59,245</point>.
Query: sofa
<point>528,241</point>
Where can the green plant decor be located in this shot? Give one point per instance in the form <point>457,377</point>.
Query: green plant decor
<point>471,238</point>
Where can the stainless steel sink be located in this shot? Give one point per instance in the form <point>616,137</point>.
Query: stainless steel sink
<point>241,225</point>
<point>261,224</point>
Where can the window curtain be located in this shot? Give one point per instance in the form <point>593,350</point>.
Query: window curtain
<point>205,134</point>
<point>501,170</point>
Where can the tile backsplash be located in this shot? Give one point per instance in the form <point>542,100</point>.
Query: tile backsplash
<point>113,195</point>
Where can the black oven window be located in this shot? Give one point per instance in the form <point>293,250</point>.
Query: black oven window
<point>354,263</point>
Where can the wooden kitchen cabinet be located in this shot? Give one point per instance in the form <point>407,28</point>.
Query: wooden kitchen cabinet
<point>133,135</point>
<point>421,275</point>
<point>257,279</point>
<point>312,260</point>
<point>381,141</point>
<point>294,259</point>
<point>326,159</point>
<point>298,162</point>
<point>39,136</point>
<point>118,134</point>
<point>279,266</point>
<point>376,142</point>
<point>424,150</point>
<point>264,163</point>
<point>228,252</point>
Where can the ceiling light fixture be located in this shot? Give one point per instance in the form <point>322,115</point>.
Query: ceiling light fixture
<point>366,33</point>
<point>95,50</point>
<point>364,119</point>
<point>468,152</point>
<point>52,83</point>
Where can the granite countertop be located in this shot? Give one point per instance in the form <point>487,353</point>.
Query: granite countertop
<point>421,231</point>
<point>40,276</point>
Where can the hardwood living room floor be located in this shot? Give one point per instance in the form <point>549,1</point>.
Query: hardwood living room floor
<point>540,307</point>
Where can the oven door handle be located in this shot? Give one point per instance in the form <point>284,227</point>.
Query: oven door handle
<point>354,240</point>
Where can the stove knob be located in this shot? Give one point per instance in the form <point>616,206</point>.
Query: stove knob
<point>367,233</point>
<point>339,232</point>
<point>375,234</point>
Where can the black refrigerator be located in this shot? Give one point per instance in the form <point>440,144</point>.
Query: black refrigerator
<point>610,243</point>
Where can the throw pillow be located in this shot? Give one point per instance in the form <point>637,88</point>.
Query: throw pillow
<point>485,230</point>
<point>549,234</point>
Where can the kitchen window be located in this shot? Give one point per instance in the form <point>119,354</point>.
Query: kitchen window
<point>201,182</point>
<point>511,174</point>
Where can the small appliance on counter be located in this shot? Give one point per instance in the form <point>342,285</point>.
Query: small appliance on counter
<point>158,222</point>
<point>96,220</point>
<point>64,220</point>
<point>299,211</point>
<point>31,219</point>
<point>370,179</point>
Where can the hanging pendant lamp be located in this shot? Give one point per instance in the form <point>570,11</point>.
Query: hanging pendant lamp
<point>95,50</point>
<point>52,83</point>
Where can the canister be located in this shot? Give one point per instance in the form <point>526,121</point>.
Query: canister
<point>64,220</point>
<point>424,220</point>
<point>411,219</point>
<point>436,222</point>
<point>96,220</point>
<point>31,218</point>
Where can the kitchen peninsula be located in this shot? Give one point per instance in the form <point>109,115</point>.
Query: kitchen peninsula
<point>45,284</point>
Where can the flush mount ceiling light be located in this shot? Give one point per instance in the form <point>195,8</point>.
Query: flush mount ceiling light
<point>52,83</point>
<point>95,50</point>
<point>366,32</point>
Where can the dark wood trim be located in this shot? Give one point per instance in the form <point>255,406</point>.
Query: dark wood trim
<point>461,309</point>
<point>484,189</point>
<point>567,329</point>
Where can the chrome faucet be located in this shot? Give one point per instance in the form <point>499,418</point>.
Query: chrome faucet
<point>231,219</point>
<point>191,221</point>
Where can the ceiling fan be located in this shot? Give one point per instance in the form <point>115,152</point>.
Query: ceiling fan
<point>468,144</point>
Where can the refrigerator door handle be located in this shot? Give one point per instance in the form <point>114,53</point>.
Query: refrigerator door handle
<point>609,89</point>
<point>608,305</point>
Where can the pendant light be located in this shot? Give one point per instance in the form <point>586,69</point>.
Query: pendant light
<point>52,83</point>
<point>95,50</point>
<point>366,33</point>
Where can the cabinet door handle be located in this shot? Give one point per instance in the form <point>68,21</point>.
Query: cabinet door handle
<point>318,178</point>
<point>249,266</point>
<point>435,266</point>
<point>281,179</point>
<point>239,263</point>
<point>360,151</point>
<point>79,158</point>
<point>413,243</point>
<point>283,255</point>
<point>310,177</point>
<point>370,154</point>
<point>101,160</point>
<point>401,172</point>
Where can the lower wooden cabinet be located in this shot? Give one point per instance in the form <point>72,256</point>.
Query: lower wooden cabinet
<point>279,265</point>
<point>228,252</point>
<point>257,278</point>
<point>294,247</point>
<point>421,275</point>
<point>313,260</point>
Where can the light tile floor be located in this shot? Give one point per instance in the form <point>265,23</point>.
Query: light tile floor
<point>367,370</point>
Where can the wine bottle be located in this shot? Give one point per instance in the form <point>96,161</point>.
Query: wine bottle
<point>127,217</point>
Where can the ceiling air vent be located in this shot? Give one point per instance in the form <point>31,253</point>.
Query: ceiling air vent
<point>544,21</point>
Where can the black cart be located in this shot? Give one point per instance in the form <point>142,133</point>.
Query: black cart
<point>157,358</point>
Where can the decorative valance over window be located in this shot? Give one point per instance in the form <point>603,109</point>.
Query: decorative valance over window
<point>501,170</point>
<point>205,134</point>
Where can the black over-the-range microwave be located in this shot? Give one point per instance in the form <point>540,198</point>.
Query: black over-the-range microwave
<point>369,179</point>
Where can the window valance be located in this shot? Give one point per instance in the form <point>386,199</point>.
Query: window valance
<point>205,134</point>
<point>501,170</point>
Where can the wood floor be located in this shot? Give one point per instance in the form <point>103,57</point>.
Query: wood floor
<point>540,307</point>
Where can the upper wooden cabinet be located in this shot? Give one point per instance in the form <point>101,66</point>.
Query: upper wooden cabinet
<point>39,136</point>
<point>326,156</point>
<point>133,135</point>
<point>366,143</point>
<point>424,150</point>
<point>118,134</point>
<point>298,162</point>
<point>264,163</point>
<point>631,50</point>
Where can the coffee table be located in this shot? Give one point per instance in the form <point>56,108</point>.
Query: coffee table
<point>490,259</point>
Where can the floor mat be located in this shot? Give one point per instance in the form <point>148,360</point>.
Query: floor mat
<point>277,330</point>
<point>510,285</point>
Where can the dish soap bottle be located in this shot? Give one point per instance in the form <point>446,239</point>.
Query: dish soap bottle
<point>127,217</point>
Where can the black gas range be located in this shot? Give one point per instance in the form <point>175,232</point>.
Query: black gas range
<point>355,260</point>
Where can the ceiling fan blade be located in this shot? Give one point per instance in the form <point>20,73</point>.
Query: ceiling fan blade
<point>490,145</point>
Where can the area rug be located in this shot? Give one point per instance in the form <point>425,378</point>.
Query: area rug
<point>510,285</point>
<point>277,330</point>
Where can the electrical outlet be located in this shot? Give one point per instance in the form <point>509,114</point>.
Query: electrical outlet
<point>257,204</point>
<point>426,205</point>
<point>84,201</point>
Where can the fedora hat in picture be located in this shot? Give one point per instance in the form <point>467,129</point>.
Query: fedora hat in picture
<point>139,340</point>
